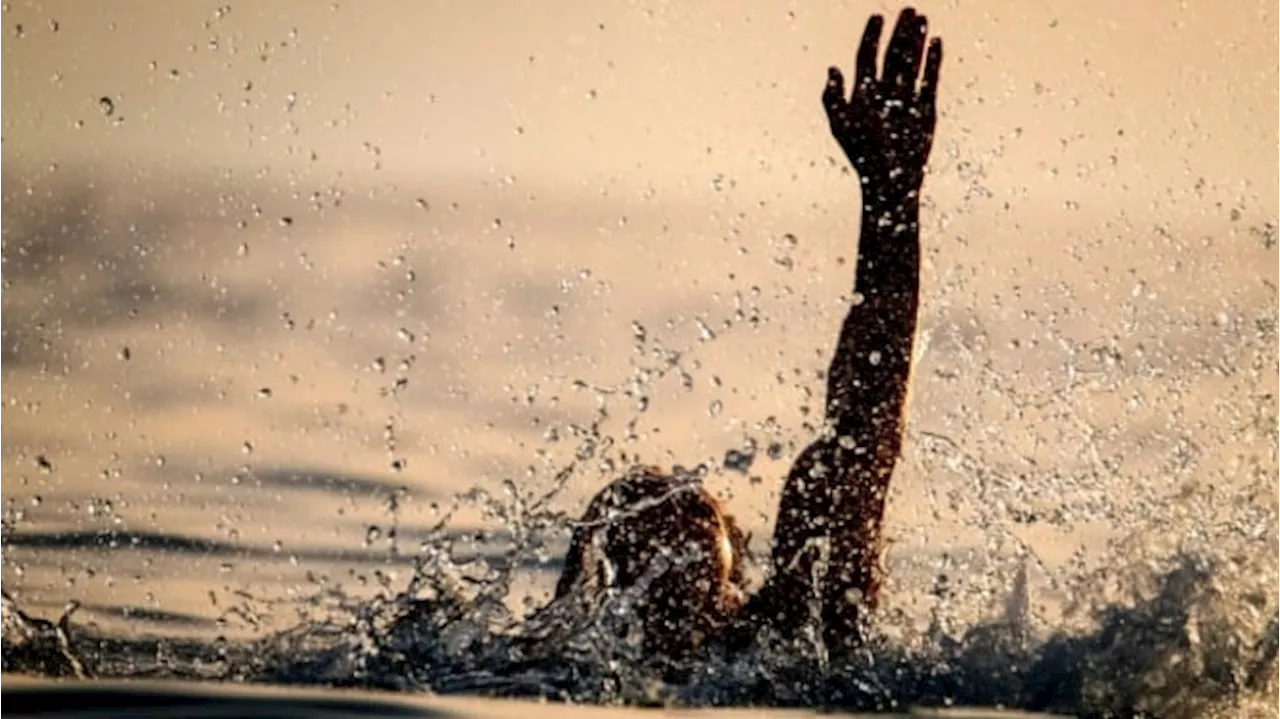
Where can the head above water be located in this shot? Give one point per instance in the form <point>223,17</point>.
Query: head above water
<point>665,538</point>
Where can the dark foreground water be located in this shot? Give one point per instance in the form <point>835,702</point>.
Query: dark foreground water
<point>1196,636</point>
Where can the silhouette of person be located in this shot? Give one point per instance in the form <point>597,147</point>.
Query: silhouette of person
<point>668,536</point>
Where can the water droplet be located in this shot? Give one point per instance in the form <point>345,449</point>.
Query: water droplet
<point>125,353</point>
<point>715,408</point>
<point>739,461</point>
<point>874,357</point>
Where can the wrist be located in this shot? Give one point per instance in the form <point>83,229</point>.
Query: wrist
<point>886,203</point>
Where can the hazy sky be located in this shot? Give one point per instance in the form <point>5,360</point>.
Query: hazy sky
<point>1091,101</point>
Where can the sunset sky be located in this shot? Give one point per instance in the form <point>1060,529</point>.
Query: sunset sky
<point>1094,102</point>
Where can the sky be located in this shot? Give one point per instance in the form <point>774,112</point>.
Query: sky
<point>1161,107</point>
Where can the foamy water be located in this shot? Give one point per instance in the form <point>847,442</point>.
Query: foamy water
<point>1195,638</point>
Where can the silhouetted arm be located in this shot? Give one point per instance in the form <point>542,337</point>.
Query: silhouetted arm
<point>827,542</point>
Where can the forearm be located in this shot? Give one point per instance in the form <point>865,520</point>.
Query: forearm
<point>869,371</point>
<point>888,242</point>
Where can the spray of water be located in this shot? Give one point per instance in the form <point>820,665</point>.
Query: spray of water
<point>1180,628</point>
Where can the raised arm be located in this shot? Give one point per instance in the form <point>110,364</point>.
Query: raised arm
<point>827,542</point>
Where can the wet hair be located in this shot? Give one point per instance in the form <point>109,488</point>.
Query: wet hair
<point>668,542</point>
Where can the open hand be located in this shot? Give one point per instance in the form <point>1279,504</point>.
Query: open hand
<point>886,126</point>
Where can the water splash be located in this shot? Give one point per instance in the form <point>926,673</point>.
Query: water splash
<point>1181,627</point>
<point>1192,633</point>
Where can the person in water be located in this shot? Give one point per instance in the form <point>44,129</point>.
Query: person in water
<point>672,543</point>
